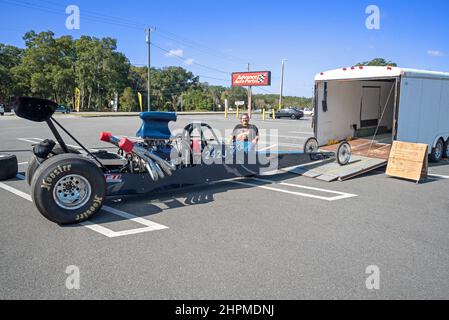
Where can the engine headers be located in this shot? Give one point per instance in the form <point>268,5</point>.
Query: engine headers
<point>157,167</point>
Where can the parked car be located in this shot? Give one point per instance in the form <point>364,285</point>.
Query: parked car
<point>292,113</point>
<point>2,109</point>
<point>63,109</point>
<point>308,112</point>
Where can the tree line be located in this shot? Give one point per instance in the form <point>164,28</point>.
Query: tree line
<point>52,68</point>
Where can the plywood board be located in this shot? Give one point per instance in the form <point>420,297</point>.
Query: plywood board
<point>408,161</point>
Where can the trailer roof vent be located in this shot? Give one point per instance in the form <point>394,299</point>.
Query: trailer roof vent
<point>361,67</point>
<point>322,73</point>
<point>389,68</point>
<point>344,69</point>
<point>352,68</point>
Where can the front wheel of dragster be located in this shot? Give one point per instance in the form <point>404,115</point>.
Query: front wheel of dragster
<point>68,189</point>
<point>344,153</point>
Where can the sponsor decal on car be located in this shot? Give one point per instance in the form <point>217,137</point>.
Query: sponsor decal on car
<point>113,178</point>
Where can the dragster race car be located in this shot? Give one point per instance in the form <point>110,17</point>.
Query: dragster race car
<point>69,187</point>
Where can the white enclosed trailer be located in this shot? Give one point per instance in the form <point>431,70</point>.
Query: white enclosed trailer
<point>387,102</point>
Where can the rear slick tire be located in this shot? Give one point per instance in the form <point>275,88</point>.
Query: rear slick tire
<point>35,162</point>
<point>8,166</point>
<point>68,189</point>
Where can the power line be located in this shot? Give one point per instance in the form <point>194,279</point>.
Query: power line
<point>57,8</point>
<point>57,11</point>
<point>198,75</point>
<point>265,90</point>
<point>187,61</point>
<point>103,16</point>
<point>196,45</point>
<point>107,19</point>
<point>207,77</point>
<point>98,18</point>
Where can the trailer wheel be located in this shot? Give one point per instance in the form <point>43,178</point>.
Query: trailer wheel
<point>8,166</point>
<point>437,152</point>
<point>35,162</point>
<point>68,188</point>
<point>446,149</point>
<point>311,145</point>
<point>343,153</point>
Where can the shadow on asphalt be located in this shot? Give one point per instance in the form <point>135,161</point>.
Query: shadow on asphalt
<point>147,205</point>
<point>143,206</point>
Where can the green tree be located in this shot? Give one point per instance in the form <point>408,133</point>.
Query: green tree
<point>167,86</point>
<point>377,62</point>
<point>216,93</point>
<point>197,99</point>
<point>128,100</point>
<point>52,67</point>
<point>235,94</point>
<point>260,103</point>
<point>101,71</point>
<point>10,58</point>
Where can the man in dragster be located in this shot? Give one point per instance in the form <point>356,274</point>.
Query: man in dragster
<point>69,187</point>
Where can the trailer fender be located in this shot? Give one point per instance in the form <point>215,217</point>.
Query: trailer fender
<point>444,136</point>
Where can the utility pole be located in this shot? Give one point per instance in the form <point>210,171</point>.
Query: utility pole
<point>148,31</point>
<point>250,97</point>
<point>282,83</point>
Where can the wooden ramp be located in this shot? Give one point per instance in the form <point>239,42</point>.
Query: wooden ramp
<point>367,155</point>
<point>330,170</point>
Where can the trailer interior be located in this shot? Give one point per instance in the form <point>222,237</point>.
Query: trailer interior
<point>361,111</point>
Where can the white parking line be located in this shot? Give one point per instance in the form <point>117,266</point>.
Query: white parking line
<point>281,145</point>
<point>15,191</point>
<point>149,225</point>
<point>268,148</point>
<point>299,132</point>
<point>30,140</point>
<point>438,176</point>
<point>290,137</point>
<point>340,195</point>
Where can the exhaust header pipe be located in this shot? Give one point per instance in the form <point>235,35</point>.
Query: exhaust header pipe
<point>130,147</point>
<point>157,167</point>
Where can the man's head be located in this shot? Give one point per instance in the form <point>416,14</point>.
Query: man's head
<point>245,119</point>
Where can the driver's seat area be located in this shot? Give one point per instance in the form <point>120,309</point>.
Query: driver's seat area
<point>155,125</point>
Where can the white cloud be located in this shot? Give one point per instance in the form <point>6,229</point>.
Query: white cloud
<point>189,62</point>
<point>175,53</point>
<point>435,53</point>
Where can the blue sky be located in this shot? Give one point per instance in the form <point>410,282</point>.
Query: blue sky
<point>224,35</point>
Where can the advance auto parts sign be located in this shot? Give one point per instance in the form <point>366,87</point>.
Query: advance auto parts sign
<point>251,79</point>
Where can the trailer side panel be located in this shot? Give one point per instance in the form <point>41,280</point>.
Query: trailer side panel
<point>423,110</point>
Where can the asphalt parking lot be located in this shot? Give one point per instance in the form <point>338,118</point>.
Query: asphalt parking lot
<point>286,237</point>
